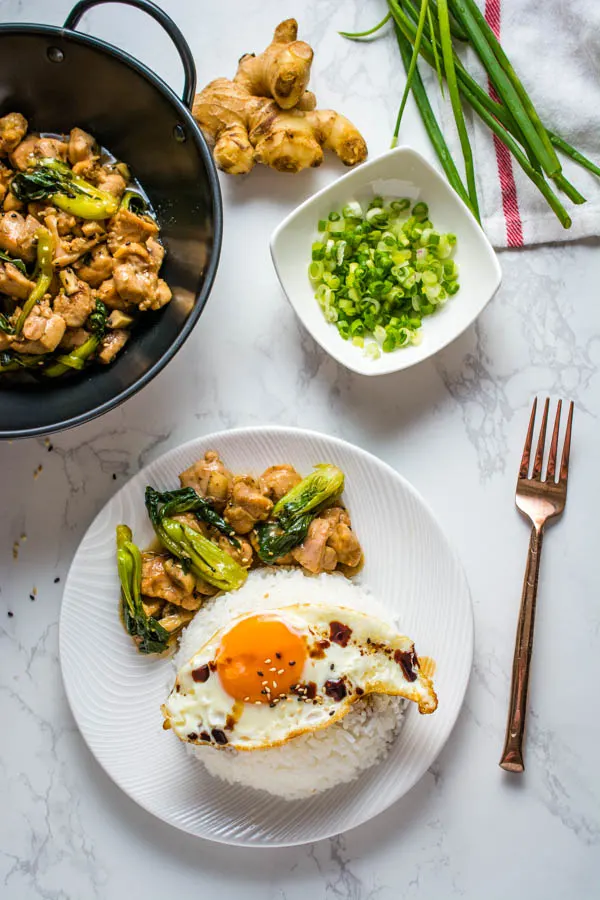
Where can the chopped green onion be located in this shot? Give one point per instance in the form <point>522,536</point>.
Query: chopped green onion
<point>376,284</point>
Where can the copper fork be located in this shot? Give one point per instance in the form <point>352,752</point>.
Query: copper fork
<point>540,500</point>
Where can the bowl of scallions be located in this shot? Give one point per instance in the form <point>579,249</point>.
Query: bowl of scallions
<point>385,266</point>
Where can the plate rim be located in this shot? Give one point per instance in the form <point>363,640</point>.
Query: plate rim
<point>257,430</point>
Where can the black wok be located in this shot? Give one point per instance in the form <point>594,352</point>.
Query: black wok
<point>59,78</point>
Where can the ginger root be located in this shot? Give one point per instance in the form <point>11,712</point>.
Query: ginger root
<point>266,115</point>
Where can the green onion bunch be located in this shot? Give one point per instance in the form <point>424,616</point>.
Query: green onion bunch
<point>377,271</point>
<point>429,29</point>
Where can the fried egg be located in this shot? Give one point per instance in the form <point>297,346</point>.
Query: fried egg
<point>267,678</point>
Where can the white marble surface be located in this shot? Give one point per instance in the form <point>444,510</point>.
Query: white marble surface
<point>452,426</point>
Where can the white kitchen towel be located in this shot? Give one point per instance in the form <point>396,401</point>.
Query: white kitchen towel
<point>554,46</point>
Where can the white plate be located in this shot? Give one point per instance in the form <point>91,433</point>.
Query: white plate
<point>115,693</point>
<point>399,173</point>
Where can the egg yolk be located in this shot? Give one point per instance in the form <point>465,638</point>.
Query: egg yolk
<point>260,659</point>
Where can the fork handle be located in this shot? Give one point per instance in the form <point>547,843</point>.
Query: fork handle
<point>512,755</point>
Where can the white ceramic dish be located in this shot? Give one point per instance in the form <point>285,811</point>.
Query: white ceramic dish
<point>400,173</point>
<point>115,693</point>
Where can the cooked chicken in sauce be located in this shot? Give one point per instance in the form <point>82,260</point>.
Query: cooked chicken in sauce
<point>219,525</point>
<point>80,253</point>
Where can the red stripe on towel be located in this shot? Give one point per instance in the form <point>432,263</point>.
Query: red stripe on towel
<point>510,202</point>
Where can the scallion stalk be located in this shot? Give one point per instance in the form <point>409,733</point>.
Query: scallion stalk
<point>450,73</point>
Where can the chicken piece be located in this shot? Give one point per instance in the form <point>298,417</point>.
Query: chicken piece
<point>65,223</point>
<point>13,282</point>
<point>181,579</point>
<point>335,515</point>
<point>209,478</point>
<point>11,204</point>
<point>73,338</point>
<point>346,545</point>
<point>6,175</point>
<point>107,292</point>
<point>82,146</point>
<point>17,235</point>
<point>107,178</point>
<point>156,251</point>
<point>111,344</point>
<point>243,554</point>
<point>35,147</point>
<point>153,608</point>
<point>75,306</point>
<point>159,579</point>
<point>127,228</point>
<point>134,275</point>
<point>6,341</point>
<point>42,332</point>
<point>93,229</point>
<point>313,554</point>
<point>68,252</point>
<point>163,295</point>
<point>97,267</point>
<point>278,480</point>
<point>13,128</point>
<point>110,180</point>
<point>247,506</point>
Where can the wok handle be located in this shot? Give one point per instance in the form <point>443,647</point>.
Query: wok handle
<point>183,48</point>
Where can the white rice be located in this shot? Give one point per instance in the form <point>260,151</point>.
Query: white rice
<point>314,762</point>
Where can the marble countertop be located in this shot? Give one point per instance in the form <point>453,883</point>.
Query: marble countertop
<point>453,426</point>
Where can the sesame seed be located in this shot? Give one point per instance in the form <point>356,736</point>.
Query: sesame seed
<point>273,669</point>
<point>292,662</point>
<point>267,661</point>
<point>280,671</point>
<point>278,655</point>
<point>258,703</point>
<point>246,699</point>
<point>274,684</point>
<point>260,674</point>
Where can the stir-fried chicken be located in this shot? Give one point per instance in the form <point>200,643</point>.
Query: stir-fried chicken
<point>209,478</point>
<point>162,577</point>
<point>128,228</point>
<point>73,338</point>
<point>13,282</point>
<point>241,551</point>
<point>13,128</point>
<point>35,147</point>
<point>111,344</point>
<point>248,505</point>
<point>99,271</point>
<point>42,332</point>
<point>313,553</point>
<point>81,146</point>
<point>75,305</point>
<point>17,235</point>
<point>6,175</point>
<point>342,539</point>
<point>278,480</point>
<point>95,267</point>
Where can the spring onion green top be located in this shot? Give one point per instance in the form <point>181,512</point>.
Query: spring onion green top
<point>378,271</point>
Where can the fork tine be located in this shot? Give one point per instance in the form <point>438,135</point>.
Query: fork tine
<point>524,470</point>
<point>554,445</point>
<point>539,453</point>
<point>564,463</point>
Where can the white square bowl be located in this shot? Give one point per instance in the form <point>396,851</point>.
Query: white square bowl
<point>399,173</point>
